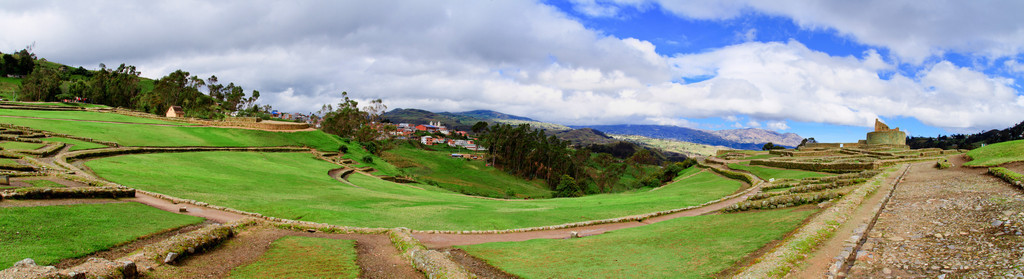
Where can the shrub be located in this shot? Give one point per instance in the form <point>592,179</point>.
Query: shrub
<point>368,159</point>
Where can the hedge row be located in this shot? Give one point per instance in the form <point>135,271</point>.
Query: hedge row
<point>1008,175</point>
<point>68,193</point>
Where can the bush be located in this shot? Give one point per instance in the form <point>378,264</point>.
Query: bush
<point>343,149</point>
<point>368,159</point>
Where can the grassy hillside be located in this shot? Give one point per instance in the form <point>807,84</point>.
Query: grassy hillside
<point>8,86</point>
<point>464,176</point>
<point>673,145</point>
<point>85,115</point>
<point>997,154</point>
<point>48,234</point>
<point>767,173</point>
<point>691,247</point>
<point>150,135</point>
<point>296,186</point>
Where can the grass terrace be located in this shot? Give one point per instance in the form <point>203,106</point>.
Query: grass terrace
<point>767,173</point>
<point>304,257</point>
<point>462,175</point>
<point>689,247</point>
<point>296,186</point>
<point>18,145</point>
<point>48,234</point>
<point>150,135</point>
<point>75,144</point>
<point>86,116</point>
<point>997,154</point>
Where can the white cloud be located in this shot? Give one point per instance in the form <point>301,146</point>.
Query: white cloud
<point>914,30</point>
<point>511,56</point>
<point>778,125</point>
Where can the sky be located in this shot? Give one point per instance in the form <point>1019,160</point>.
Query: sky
<point>823,69</point>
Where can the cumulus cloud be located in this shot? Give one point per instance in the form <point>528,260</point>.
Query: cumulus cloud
<point>913,30</point>
<point>512,56</point>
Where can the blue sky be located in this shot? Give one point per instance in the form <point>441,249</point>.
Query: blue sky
<point>823,69</point>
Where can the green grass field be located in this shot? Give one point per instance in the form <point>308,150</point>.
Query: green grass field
<point>18,145</point>
<point>769,173</point>
<point>60,104</point>
<point>689,247</point>
<point>304,257</point>
<point>75,144</point>
<point>464,176</point>
<point>997,154</point>
<point>86,115</point>
<point>8,86</point>
<point>150,135</point>
<point>296,186</point>
<point>48,234</point>
<point>43,183</point>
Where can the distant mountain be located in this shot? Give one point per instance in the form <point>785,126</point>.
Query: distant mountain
<point>490,114</point>
<point>755,135</point>
<point>585,137</point>
<point>686,134</point>
<point>464,121</point>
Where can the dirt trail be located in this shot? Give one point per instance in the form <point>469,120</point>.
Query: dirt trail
<point>377,257</point>
<point>444,240</point>
<point>817,264</point>
<point>219,216</point>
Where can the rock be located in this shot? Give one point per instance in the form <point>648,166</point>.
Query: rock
<point>171,256</point>
<point>310,230</point>
<point>25,263</point>
<point>183,209</point>
<point>129,270</point>
<point>886,271</point>
<point>997,223</point>
<point>574,234</point>
<point>938,235</point>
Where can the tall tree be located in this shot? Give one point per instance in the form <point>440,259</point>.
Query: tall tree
<point>43,84</point>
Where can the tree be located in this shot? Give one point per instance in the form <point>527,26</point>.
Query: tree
<point>770,146</point>
<point>346,119</point>
<point>806,141</point>
<point>479,127</point>
<point>43,84</point>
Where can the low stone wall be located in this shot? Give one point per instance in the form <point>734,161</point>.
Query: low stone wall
<point>242,119</point>
<point>1007,175</point>
<point>432,263</point>
<point>68,193</point>
<point>815,166</point>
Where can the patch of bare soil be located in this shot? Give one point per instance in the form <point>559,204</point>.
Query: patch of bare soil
<point>126,249</point>
<point>957,222</point>
<point>377,257</point>
<point>475,265</point>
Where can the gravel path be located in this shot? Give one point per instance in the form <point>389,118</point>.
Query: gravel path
<point>957,222</point>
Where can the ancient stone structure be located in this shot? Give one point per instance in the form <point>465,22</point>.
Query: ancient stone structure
<point>885,136</point>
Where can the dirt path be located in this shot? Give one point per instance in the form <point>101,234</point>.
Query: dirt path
<point>817,264</point>
<point>444,240</point>
<point>957,222</point>
<point>377,257</point>
<point>219,216</point>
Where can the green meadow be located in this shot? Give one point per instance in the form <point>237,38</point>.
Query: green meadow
<point>48,234</point>
<point>997,154</point>
<point>296,186</point>
<point>688,247</point>
<point>304,257</point>
<point>463,175</point>
<point>86,116</point>
<point>769,173</point>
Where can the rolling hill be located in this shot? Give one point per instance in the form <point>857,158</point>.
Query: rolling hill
<point>738,140</point>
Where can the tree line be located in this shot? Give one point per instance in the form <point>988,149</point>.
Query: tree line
<point>123,87</point>
<point>971,141</point>
<point>570,172</point>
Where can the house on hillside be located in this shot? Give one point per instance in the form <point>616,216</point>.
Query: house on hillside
<point>175,111</point>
